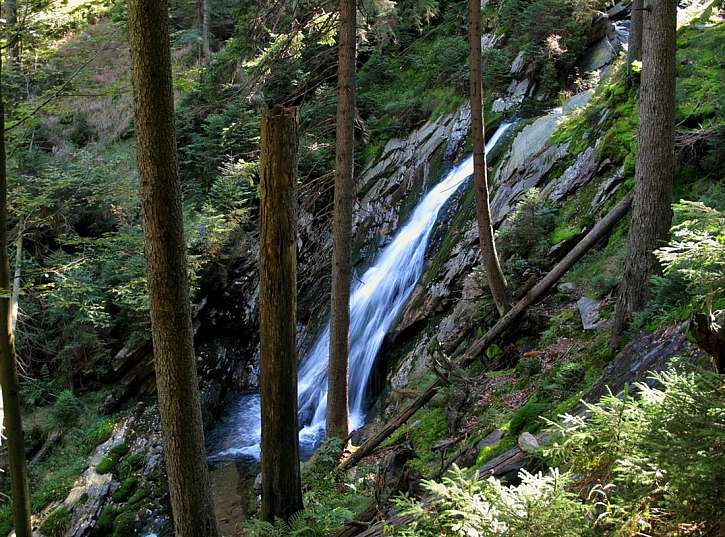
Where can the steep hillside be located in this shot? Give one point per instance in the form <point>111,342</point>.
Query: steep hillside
<point>555,92</point>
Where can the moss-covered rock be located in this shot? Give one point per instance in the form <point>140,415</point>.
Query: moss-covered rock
<point>56,523</point>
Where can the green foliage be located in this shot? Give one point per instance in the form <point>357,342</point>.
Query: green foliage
<point>66,409</point>
<point>694,266</point>
<point>523,238</point>
<point>541,506</point>
<point>662,448</point>
<point>125,489</point>
<point>331,498</point>
<point>56,523</point>
<point>110,460</point>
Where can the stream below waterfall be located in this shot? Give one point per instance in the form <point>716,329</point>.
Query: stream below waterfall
<point>376,301</point>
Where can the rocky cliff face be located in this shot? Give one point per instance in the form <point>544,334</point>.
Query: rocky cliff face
<point>444,308</point>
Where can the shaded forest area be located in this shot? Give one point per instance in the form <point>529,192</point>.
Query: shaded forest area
<point>239,298</point>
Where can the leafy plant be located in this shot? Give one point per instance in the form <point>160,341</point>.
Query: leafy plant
<point>541,505</point>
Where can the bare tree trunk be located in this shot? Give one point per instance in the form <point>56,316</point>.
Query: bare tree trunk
<point>16,281</point>
<point>337,390</point>
<point>655,170</point>
<point>204,12</point>
<point>166,270</point>
<point>8,368</point>
<point>494,274</point>
<point>281,485</point>
<point>634,46</point>
<point>11,21</point>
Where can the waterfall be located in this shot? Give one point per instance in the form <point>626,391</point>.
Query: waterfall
<point>376,301</point>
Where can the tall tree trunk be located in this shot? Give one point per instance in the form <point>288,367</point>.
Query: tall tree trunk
<point>166,270</point>
<point>11,21</point>
<point>655,170</point>
<point>634,47</point>
<point>8,369</point>
<point>494,274</point>
<point>337,389</point>
<point>281,486</point>
<point>204,21</point>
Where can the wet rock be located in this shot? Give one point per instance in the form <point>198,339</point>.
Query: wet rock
<point>617,11</point>
<point>574,177</point>
<point>530,158</point>
<point>599,27</point>
<point>490,440</point>
<point>90,491</point>
<point>646,352</point>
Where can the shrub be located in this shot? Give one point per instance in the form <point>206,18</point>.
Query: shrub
<point>541,506</point>
<point>663,450</point>
<point>66,409</point>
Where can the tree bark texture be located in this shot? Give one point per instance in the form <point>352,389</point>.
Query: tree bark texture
<point>281,485</point>
<point>12,419</point>
<point>494,274</point>
<point>204,21</point>
<point>13,37</point>
<point>655,168</point>
<point>166,270</point>
<point>337,389</point>
<point>634,46</point>
<point>598,232</point>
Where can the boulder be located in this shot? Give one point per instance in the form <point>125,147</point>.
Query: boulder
<point>528,442</point>
<point>599,55</point>
<point>589,313</point>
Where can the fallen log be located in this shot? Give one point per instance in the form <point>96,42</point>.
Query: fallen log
<point>598,232</point>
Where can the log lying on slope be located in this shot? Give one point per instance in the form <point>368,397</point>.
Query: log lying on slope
<point>646,353</point>
<point>598,232</point>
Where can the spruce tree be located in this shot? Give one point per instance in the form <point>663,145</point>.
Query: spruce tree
<point>337,393</point>
<point>655,167</point>
<point>166,270</point>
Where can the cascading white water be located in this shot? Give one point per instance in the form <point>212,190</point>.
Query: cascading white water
<point>375,303</point>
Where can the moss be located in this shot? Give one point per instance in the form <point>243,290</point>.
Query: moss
<point>526,418</point>
<point>108,462</point>
<point>490,452</point>
<point>131,464</point>
<point>700,99</point>
<point>56,523</point>
<point>102,431</point>
<point>125,489</point>
<point>104,524</point>
<point>562,234</point>
<point>138,496</point>
<point>123,525</point>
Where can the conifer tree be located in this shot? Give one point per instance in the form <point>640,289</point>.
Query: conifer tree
<point>337,393</point>
<point>166,270</point>
<point>655,167</point>
<point>281,485</point>
<point>10,415</point>
<point>494,274</point>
